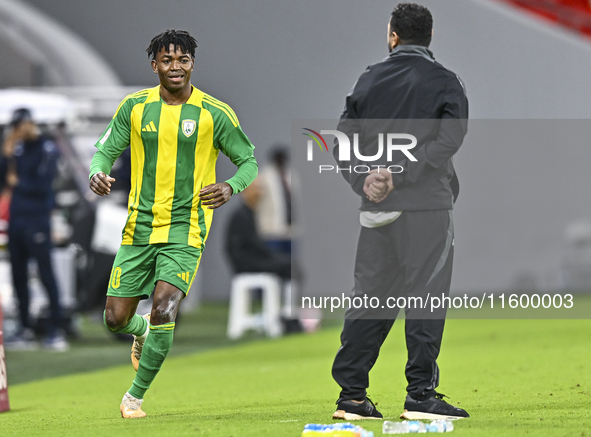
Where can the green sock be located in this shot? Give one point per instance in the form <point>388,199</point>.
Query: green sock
<point>155,350</point>
<point>136,326</point>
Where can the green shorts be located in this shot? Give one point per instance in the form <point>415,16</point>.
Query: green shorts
<point>136,269</point>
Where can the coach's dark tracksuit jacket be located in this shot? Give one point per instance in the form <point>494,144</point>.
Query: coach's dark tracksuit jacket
<point>408,92</point>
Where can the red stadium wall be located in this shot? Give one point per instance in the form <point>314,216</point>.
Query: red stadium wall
<point>574,14</point>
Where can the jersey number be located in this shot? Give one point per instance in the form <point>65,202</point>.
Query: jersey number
<point>116,277</point>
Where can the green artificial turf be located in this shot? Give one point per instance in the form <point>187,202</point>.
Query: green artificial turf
<point>515,377</point>
<point>97,348</point>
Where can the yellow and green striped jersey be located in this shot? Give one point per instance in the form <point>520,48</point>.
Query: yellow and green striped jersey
<point>173,155</point>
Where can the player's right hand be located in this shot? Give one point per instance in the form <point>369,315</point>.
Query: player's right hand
<point>100,183</point>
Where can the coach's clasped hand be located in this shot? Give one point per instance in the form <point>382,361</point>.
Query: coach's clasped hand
<point>377,185</point>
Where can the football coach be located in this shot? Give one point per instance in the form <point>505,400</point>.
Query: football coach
<point>405,247</point>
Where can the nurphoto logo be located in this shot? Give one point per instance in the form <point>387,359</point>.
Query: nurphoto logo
<point>388,143</point>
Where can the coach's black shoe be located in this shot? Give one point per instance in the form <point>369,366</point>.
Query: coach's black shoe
<point>349,410</point>
<point>431,409</point>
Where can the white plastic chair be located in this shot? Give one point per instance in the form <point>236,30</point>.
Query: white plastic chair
<point>241,318</point>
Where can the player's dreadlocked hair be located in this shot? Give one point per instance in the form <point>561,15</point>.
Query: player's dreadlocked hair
<point>412,23</point>
<point>179,38</point>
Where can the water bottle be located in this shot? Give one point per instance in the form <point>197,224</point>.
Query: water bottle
<point>336,430</point>
<point>404,427</point>
<point>440,426</point>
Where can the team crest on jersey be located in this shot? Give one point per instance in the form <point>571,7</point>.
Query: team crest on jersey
<point>189,127</point>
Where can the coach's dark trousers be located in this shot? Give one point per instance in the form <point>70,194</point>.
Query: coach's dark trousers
<point>410,258</point>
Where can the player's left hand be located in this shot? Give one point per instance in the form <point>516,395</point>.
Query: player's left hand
<point>215,195</point>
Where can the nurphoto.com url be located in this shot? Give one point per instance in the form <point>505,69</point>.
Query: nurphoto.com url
<point>432,303</point>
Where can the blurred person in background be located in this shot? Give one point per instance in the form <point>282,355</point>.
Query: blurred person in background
<point>247,251</point>
<point>175,133</point>
<point>275,219</point>
<point>274,209</point>
<point>27,167</point>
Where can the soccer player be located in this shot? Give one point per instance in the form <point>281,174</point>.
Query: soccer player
<point>175,132</point>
